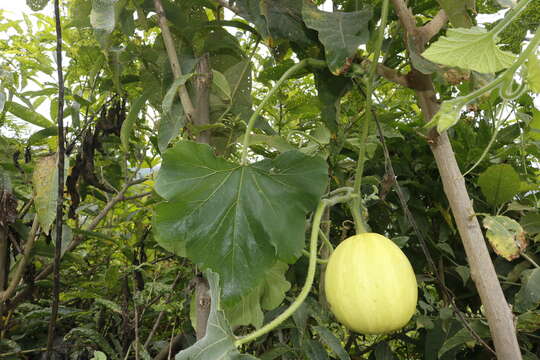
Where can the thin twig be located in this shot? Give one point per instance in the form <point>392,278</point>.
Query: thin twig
<point>162,312</point>
<point>173,59</point>
<point>60,198</point>
<point>6,294</point>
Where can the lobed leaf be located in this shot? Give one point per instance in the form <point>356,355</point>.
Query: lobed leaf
<point>472,49</point>
<point>236,220</point>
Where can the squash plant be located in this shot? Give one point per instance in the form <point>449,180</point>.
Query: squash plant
<point>226,147</point>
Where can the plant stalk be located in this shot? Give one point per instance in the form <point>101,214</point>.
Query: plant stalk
<point>251,123</point>
<point>315,228</point>
<point>60,198</point>
<point>357,203</point>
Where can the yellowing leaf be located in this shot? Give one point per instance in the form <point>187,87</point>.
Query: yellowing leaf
<point>45,182</point>
<point>472,49</point>
<point>505,235</point>
<point>533,73</point>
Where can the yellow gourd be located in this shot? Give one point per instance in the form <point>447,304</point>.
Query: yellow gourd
<point>370,285</point>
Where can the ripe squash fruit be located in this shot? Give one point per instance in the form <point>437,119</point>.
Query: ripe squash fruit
<point>370,284</point>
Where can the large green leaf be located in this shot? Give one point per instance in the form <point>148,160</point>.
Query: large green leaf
<point>268,296</point>
<point>27,114</point>
<point>251,11</point>
<point>218,343</point>
<point>284,21</point>
<point>499,183</point>
<point>528,297</point>
<point>236,220</point>
<point>531,223</point>
<point>340,32</point>
<point>505,235</point>
<point>471,49</point>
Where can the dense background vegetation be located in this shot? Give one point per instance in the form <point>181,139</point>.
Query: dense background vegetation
<point>133,249</point>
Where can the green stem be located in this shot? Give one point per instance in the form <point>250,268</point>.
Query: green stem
<point>315,228</point>
<point>531,261</point>
<point>512,14</point>
<point>357,203</point>
<point>305,289</point>
<point>498,126</point>
<point>507,75</point>
<point>319,260</point>
<point>237,86</point>
<point>327,242</point>
<point>285,76</point>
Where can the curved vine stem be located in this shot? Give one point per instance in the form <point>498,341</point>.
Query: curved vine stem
<point>507,75</point>
<point>498,126</point>
<point>510,16</point>
<point>305,289</point>
<point>251,123</point>
<point>357,203</point>
<point>315,228</point>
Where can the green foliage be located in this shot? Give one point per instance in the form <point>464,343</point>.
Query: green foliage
<point>471,49</point>
<point>340,33</point>
<point>127,128</point>
<point>236,207</point>
<point>499,183</point>
<point>218,343</point>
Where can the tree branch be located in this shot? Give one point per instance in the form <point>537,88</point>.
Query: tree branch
<point>173,59</point>
<point>391,75</point>
<point>498,313</point>
<point>432,28</point>
<point>405,15</point>
<point>77,240</point>
<point>5,295</point>
<point>60,197</point>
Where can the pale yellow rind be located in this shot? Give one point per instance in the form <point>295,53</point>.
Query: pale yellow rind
<point>370,285</point>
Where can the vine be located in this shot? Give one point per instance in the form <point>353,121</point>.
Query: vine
<point>315,228</point>
<point>369,82</point>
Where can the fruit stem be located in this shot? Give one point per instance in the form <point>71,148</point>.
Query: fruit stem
<point>307,285</point>
<point>251,123</point>
<point>315,228</point>
<point>369,82</point>
<point>319,260</point>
